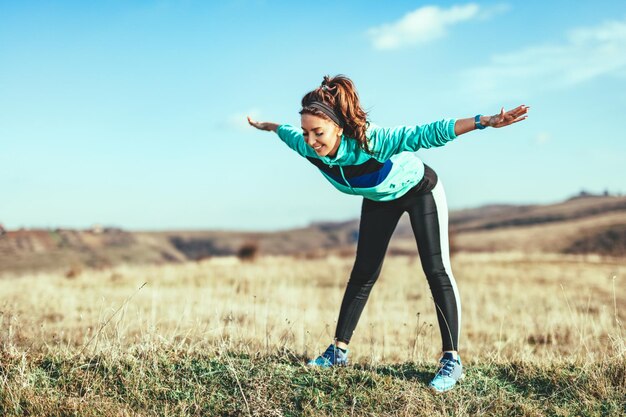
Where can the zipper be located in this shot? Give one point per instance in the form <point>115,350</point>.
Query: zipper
<point>344,178</point>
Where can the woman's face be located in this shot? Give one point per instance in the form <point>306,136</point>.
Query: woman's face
<point>321,134</point>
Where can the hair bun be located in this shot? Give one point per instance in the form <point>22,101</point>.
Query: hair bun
<point>326,80</point>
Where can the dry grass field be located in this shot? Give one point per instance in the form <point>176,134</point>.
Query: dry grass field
<point>516,308</point>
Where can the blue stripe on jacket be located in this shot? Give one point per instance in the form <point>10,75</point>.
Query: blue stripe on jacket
<point>367,180</point>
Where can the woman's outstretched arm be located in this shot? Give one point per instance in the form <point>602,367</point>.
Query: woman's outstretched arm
<point>497,120</point>
<point>269,126</point>
<point>386,142</point>
<point>288,134</point>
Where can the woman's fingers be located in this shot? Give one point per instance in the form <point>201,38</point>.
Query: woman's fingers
<point>260,125</point>
<point>512,116</point>
<point>518,119</point>
<point>518,111</point>
<point>254,123</point>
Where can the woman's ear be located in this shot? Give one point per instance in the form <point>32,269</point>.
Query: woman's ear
<point>340,132</point>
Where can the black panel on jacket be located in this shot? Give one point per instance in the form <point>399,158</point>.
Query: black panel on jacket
<point>350,171</point>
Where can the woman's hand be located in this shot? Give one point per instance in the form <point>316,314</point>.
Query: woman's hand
<point>269,126</point>
<point>501,119</point>
<point>505,118</point>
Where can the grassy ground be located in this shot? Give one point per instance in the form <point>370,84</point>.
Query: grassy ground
<point>541,335</point>
<point>181,383</point>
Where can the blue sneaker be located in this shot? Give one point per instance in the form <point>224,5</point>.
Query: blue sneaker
<point>333,356</point>
<point>449,373</point>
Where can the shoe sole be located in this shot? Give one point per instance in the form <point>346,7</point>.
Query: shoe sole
<point>435,390</point>
<point>326,367</point>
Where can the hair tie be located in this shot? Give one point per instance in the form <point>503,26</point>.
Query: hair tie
<point>330,89</point>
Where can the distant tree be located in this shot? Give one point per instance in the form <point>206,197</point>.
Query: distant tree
<point>248,251</point>
<point>73,272</point>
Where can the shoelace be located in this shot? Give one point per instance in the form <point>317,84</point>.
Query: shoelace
<point>330,354</point>
<point>447,366</point>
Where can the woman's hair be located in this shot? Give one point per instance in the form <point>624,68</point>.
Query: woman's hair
<point>339,93</point>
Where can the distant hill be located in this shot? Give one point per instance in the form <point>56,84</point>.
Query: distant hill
<point>585,224</point>
<point>592,224</point>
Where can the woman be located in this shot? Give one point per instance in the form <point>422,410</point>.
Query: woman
<point>360,158</point>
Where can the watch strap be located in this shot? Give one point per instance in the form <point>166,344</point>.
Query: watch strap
<point>477,124</point>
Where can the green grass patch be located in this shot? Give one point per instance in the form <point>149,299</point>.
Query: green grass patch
<point>176,383</point>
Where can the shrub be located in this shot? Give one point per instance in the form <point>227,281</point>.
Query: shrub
<point>248,251</point>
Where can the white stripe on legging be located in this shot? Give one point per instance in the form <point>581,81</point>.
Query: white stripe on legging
<point>442,215</point>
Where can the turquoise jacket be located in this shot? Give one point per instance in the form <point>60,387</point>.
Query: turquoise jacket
<point>389,172</point>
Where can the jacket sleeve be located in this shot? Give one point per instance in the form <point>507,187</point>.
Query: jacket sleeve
<point>294,139</point>
<point>385,142</point>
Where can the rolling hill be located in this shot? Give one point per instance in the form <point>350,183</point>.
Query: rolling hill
<point>584,224</point>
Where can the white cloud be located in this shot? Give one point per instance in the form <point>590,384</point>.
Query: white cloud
<point>239,121</point>
<point>585,54</point>
<point>543,137</point>
<point>426,24</point>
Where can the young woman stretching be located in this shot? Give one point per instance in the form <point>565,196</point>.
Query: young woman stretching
<point>378,163</point>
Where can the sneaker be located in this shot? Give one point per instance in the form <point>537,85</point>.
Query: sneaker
<point>449,373</point>
<point>333,356</point>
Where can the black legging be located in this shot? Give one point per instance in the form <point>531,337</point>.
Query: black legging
<point>378,221</point>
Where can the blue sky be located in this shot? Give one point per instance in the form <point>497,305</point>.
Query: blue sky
<point>132,113</point>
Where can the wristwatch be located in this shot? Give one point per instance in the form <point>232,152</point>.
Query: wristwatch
<point>477,124</point>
